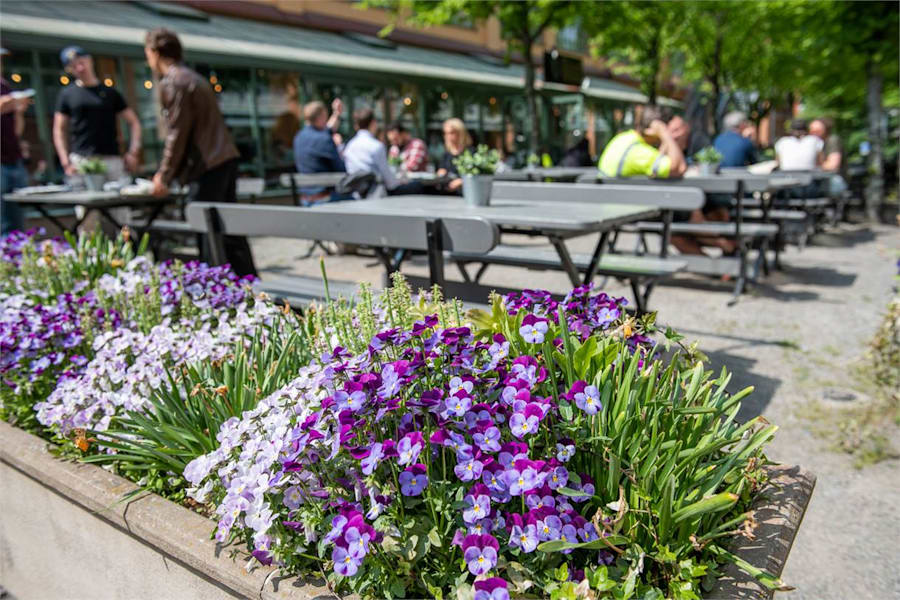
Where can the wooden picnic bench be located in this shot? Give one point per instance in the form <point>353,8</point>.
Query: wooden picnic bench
<point>642,272</point>
<point>384,233</point>
<point>749,237</point>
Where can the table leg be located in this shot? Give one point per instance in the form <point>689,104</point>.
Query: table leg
<point>595,258</point>
<point>40,208</point>
<point>566,259</point>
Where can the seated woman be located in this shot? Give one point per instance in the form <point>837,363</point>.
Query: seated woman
<point>456,141</point>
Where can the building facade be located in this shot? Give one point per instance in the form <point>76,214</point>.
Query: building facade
<point>266,58</point>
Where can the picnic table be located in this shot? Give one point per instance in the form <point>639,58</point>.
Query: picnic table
<point>557,221</point>
<point>92,201</point>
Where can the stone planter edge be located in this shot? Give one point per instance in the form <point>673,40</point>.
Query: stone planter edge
<point>183,535</point>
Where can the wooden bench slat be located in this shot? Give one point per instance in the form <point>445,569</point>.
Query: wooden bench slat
<point>466,234</point>
<point>718,229</point>
<point>662,197</point>
<point>610,264</point>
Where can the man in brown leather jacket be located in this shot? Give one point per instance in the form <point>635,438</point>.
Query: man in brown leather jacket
<point>198,148</point>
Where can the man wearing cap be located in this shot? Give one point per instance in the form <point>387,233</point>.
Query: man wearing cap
<point>12,170</point>
<point>198,148</point>
<point>84,125</point>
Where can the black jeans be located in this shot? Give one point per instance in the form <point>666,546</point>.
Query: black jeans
<point>219,184</point>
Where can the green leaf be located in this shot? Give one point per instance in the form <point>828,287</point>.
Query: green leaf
<point>712,504</point>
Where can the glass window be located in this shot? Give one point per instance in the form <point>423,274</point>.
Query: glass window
<point>278,103</point>
<point>232,86</point>
<point>438,108</point>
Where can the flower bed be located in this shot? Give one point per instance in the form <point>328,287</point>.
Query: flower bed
<point>398,447</point>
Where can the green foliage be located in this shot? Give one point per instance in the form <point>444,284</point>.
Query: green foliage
<point>92,166</point>
<point>673,469</point>
<point>709,156</point>
<point>154,446</point>
<point>45,271</point>
<point>483,161</point>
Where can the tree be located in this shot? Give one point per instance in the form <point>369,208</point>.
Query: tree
<point>850,65</point>
<point>640,34</point>
<point>522,25</point>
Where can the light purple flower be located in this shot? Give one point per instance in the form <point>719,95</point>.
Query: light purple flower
<point>564,452</point>
<point>589,400</point>
<point>413,480</point>
<point>524,538</point>
<point>468,470</point>
<point>549,528</point>
<point>357,542</point>
<point>479,508</point>
<point>489,441</point>
<point>458,405</point>
<point>492,588</point>
<point>533,333</point>
<point>345,563</point>
<point>519,482</point>
<point>370,463</point>
<point>409,448</point>
<point>521,425</point>
<point>352,402</point>
<point>558,478</point>
<point>480,553</point>
<point>293,497</point>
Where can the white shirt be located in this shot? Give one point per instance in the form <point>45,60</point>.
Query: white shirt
<point>365,153</point>
<point>798,154</point>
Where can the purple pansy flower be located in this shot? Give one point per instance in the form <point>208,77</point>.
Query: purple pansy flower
<point>409,448</point>
<point>357,542</point>
<point>524,537</point>
<point>480,553</point>
<point>588,400</point>
<point>467,470</point>
<point>549,528</point>
<point>413,480</point>
<point>345,563</point>
<point>479,508</point>
<point>489,441</point>
<point>533,329</point>
<point>492,588</point>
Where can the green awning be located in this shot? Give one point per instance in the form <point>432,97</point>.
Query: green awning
<point>125,24</point>
<point>613,90</point>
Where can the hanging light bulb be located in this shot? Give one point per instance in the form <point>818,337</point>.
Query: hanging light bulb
<point>16,78</point>
<point>108,82</point>
<point>64,80</point>
<point>148,85</point>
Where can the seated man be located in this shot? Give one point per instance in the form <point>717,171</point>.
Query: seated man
<point>648,150</point>
<point>412,151</point>
<point>832,155</point>
<point>736,150</point>
<point>364,152</point>
<point>631,154</point>
<point>315,150</point>
<point>799,151</point>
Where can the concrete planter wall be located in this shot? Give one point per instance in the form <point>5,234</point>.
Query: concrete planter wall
<point>66,533</point>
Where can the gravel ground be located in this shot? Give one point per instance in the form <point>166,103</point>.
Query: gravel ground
<point>793,337</point>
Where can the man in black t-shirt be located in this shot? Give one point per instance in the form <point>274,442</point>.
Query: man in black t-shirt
<point>84,125</point>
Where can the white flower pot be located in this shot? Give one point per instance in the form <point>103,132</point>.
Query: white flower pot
<point>94,181</point>
<point>707,169</point>
<point>477,189</point>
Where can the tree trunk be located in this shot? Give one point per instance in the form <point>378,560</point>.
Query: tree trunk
<point>531,99</point>
<point>654,60</point>
<point>875,185</point>
<point>716,81</point>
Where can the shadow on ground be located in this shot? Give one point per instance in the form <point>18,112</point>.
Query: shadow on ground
<point>843,239</point>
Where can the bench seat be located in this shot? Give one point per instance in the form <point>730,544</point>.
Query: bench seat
<point>300,291</point>
<point>776,214</point>
<point>714,228</point>
<point>616,265</point>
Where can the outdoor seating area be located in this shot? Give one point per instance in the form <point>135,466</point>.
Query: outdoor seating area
<point>449,299</point>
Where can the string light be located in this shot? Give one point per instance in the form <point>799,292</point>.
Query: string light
<point>218,87</point>
<point>492,100</point>
<point>108,82</point>
<point>444,95</point>
<point>16,78</point>
<point>213,79</point>
<point>64,80</point>
<point>148,85</point>
<point>407,101</point>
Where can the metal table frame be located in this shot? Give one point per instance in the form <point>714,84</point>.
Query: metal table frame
<point>100,202</point>
<point>582,220</point>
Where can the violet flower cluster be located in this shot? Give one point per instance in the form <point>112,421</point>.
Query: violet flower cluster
<point>362,448</point>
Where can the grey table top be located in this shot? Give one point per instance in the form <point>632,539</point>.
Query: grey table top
<point>312,179</point>
<point>86,198</point>
<point>568,219</point>
<point>722,183</point>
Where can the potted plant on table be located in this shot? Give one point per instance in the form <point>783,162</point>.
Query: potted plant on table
<point>477,170</point>
<point>94,172</point>
<point>709,159</point>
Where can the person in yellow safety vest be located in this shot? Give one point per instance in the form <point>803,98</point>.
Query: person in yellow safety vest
<point>648,150</point>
